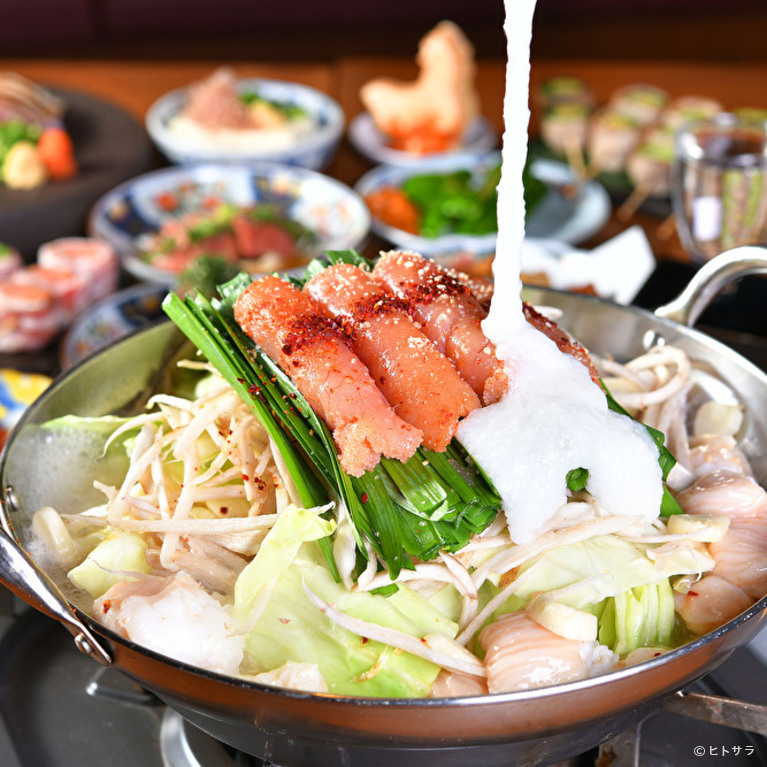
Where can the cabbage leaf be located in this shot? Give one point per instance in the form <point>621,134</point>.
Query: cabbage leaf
<point>615,579</point>
<point>288,627</point>
<point>639,617</point>
<point>110,562</point>
<point>605,566</point>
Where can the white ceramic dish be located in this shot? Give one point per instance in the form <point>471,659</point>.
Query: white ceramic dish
<point>132,211</point>
<point>570,219</point>
<point>314,149</point>
<point>369,141</point>
<point>616,269</point>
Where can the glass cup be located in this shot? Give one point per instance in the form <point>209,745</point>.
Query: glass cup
<point>719,184</point>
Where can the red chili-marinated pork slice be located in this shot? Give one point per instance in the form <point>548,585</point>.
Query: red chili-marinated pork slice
<point>482,288</point>
<point>449,315</point>
<point>290,327</point>
<point>564,343</point>
<point>419,382</point>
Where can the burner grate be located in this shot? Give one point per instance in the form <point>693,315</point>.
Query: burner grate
<point>184,745</point>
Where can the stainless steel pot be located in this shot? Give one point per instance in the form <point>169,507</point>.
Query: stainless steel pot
<point>304,730</point>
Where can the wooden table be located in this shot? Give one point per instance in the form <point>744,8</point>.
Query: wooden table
<point>134,85</point>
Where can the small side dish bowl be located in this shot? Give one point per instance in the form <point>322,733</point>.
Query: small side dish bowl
<point>312,148</point>
<point>132,214</point>
<point>110,319</point>
<point>363,133</point>
<point>560,207</point>
<point>385,177</point>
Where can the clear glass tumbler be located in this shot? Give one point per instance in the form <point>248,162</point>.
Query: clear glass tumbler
<point>719,185</point>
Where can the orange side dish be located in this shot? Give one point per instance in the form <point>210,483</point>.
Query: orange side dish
<point>393,207</point>
<point>424,138</point>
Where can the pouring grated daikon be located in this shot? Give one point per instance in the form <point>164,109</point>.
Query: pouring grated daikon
<point>553,418</point>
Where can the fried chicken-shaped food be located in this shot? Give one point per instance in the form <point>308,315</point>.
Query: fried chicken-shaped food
<point>431,113</point>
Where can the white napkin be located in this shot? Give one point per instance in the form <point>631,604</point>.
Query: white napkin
<point>616,269</point>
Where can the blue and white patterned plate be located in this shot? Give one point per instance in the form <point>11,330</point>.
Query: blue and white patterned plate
<point>110,319</point>
<point>137,208</point>
<point>314,149</point>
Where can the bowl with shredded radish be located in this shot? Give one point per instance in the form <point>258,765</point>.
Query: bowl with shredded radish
<point>228,119</point>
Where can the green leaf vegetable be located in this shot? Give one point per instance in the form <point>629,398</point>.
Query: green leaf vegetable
<point>461,202</point>
<point>287,109</point>
<point>640,617</point>
<point>613,578</point>
<point>291,628</point>
<point>107,563</point>
<point>12,131</point>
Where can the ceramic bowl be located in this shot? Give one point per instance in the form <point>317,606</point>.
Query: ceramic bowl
<point>480,136</point>
<point>110,319</point>
<point>131,212</point>
<point>569,213</point>
<point>395,175</point>
<point>313,149</point>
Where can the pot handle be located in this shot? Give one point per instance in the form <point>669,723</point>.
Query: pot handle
<point>710,279</point>
<point>737,714</point>
<point>31,584</point>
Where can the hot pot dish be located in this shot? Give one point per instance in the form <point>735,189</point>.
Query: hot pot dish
<point>314,587</point>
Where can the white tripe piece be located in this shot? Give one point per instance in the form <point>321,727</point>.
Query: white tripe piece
<point>175,617</point>
<point>598,658</point>
<point>305,677</point>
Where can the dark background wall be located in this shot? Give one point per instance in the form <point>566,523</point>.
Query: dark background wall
<point>325,30</point>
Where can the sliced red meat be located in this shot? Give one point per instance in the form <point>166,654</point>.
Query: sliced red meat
<point>255,238</point>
